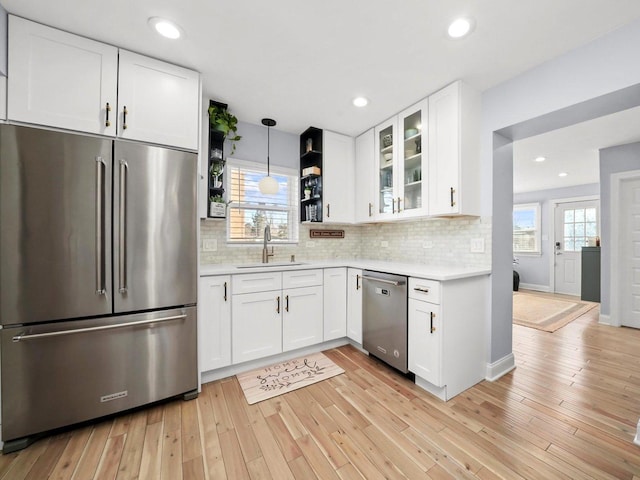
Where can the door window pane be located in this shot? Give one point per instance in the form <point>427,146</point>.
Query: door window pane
<point>568,216</point>
<point>579,215</point>
<point>591,215</point>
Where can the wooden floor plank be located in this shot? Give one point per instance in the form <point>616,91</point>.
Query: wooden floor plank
<point>92,452</point>
<point>69,459</point>
<point>151,458</point>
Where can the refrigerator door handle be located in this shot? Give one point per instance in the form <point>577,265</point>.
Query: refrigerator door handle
<point>122,216</point>
<point>100,258</point>
<point>34,336</point>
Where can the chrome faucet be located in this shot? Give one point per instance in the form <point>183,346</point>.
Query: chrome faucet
<point>265,249</point>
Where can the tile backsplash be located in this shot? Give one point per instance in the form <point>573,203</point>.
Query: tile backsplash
<point>439,241</point>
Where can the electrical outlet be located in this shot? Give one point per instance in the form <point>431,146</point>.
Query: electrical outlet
<point>384,244</point>
<point>427,244</point>
<point>477,245</point>
<point>210,245</point>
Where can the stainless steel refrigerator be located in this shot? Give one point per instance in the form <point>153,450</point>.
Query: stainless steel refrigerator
<point>97,278</point>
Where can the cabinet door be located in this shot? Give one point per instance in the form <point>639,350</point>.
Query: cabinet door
<point>61,80</point>
<point>364,177</point>
<point>256,329</point>
<point>337,177</point>
<point>386,147</point>
<point>354,304</point>
<point>412,191</point>
<point>444,150</point>
<point>214,322</point>
<point>425,341</point>
<point>302,317</point>
<point>335,303</point>
<point>161,102</point>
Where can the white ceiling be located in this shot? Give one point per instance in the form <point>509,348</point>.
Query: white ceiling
<point>303,62</point>
<point>573,150</point>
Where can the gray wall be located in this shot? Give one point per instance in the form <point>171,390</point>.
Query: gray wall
<point>605,66</point>
<point>284,147</point>
<point>535,269</point>
<point>612,160</point>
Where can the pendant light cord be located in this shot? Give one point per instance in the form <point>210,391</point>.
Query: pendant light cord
<point>268,148</point>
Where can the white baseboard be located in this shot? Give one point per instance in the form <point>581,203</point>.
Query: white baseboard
<point>503,366</point>
<point>231,370</point>
<point>637,439</point>
<point>537,288</point>
<point>605,320</point>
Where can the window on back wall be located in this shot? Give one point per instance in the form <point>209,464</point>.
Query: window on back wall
<point>250,211</point>
<point>526,228</point>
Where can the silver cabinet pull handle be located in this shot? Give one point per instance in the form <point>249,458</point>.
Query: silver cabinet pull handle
<point>100,258</point>
<point>122,259</point>
<point>358,282</point>
<point>393,207</point>
<point>398,204</point>
<point>35,336</point>
<point>433,329</point>
<point>453,204</point>
<point>370,207</point>
<point>421,289</point>
<point>382,280</point>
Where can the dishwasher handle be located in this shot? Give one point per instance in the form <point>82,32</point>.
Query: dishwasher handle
<point>382,280</point>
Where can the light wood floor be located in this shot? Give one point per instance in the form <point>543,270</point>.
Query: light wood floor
<point>569,410</point>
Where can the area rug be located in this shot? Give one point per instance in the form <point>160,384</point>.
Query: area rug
<point>545,313</point>
<point>267,382</point>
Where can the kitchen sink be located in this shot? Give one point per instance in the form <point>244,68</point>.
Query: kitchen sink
<point>275,264</point>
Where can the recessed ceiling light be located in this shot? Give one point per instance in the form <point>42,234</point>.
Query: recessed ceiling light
<point>360,101</point>
<point>165,27</point>
<point>563,174</point>
<point>540,159</point>
<point>459,28</point>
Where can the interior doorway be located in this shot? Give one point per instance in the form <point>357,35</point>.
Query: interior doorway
<point>576,225</point>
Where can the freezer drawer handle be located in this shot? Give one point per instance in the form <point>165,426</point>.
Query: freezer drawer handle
<point>35,336</point>
<point>381,280</point>
<point>100,259</point>
<point>122,258</point>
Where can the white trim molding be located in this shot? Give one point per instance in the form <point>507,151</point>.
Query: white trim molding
<point>500,368</point>
<point>616,261</point>
<point>606,320</point>
<point>537,288</point>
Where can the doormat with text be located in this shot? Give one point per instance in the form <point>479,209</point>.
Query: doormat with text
<point>267,382</point>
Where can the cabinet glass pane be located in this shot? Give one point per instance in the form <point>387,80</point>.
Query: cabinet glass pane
<point>386,170</point>
<point>412,160</point>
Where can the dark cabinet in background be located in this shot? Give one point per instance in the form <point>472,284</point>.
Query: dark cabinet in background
<point>590,274</point>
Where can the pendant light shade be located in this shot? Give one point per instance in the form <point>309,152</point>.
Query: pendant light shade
<point>268,185</point>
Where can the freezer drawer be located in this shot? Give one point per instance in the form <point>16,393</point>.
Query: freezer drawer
<point>59,374</point>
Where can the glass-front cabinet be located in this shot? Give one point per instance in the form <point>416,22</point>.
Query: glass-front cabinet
<point>401,183</point>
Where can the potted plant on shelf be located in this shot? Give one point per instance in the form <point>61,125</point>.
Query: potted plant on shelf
<point>216,170</point>
<point>226,123</point>
<point>217,206</point>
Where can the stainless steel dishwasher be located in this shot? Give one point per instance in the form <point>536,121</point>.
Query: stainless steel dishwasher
<point>384,317</point>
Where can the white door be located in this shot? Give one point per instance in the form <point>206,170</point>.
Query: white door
<point>576,223</point>
<point>302,317</point>
<point>61,80</point>
<point>157,102</point>
<point>630,250</point>
<point>214,322</point>
<point>354,304</point>
<point>337,177</point>
<point>256,330</point>
<point>425,341</point>
<point>364,177</point>
<point>335,303</point>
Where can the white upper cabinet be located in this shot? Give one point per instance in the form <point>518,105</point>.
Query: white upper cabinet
<point>157,102</point>
<point>337,177</point>
<point>454,150</point>
<point>60,79</point>
<point>402,164</point>
<point>66,81</point>
<point>364,178</point>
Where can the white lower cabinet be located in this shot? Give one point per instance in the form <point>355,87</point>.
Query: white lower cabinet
<point>425,341</point>
<point>302,317</point>
<point>257,325</point>
<point>354,304</point>
<point>275,312</point>
<point>447,334</point>
<point>335,303</point>
<point>214,322</point>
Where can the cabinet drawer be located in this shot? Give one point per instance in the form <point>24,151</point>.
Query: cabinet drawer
<point>256,282</point>
<point>426,290</point>
<point>301,278</point>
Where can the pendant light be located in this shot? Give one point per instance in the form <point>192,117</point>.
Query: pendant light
<point>268,185</point>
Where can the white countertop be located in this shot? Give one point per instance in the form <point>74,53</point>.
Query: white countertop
<point>432,272</point>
